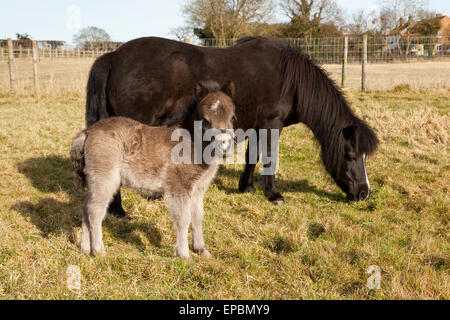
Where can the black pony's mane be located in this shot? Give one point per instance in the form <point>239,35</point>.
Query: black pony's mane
<point>321,105</point>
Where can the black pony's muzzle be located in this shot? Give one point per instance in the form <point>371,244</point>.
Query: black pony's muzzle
<point>362,194</point>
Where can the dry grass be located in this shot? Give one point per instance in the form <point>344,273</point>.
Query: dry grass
<point>56,76</point>
<point>385,76</point>
<point>64,75</point>
<point>316,246</point>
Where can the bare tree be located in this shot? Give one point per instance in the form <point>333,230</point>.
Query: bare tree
<point>397,11</point>
<point>181,33</point>
<point>307,15</point>
<point>358,23</point>
<point>226,18</point>
<point>23,36</point>
<point>91,38</point>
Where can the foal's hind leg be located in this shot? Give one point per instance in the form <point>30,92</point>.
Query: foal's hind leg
<point>180,209</point>
<point>101,191</point>
<point>198,242</point>
<point>85,233</point>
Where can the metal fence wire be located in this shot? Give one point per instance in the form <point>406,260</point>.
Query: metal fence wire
<point>322,50</point>
<point>379,49</point>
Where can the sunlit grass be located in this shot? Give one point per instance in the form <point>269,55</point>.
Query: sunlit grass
<point>315,246</point>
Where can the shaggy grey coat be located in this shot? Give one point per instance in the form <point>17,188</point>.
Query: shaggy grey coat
<point>120,151</point>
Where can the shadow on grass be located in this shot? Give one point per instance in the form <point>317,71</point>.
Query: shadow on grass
<point>54,174</point>
<point>283,185</point>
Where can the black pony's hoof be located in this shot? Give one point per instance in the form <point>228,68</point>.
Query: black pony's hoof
<point>278,202</point>
<point>248,188</point>
<point>118,212</point>
<point>277,199</point>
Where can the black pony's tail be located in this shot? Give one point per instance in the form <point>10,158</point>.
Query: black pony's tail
<point>97,104</point>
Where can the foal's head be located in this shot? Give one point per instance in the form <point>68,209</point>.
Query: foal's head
<point>215,109</point>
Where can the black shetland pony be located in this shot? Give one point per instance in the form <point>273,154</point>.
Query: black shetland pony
<point>148,79</point>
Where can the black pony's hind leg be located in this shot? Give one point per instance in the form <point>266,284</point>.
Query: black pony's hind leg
<point>115,207</point>
<point>246,180</point>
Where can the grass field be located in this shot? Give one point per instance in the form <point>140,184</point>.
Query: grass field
<point>70,75</point>
<point>316,246</point>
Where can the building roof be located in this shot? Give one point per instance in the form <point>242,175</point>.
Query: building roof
<point>408,28</point>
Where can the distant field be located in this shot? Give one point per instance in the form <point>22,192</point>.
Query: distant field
<point>316,246</point>
<point>70,75</point>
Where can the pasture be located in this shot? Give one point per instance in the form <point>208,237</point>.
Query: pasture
<point>316,246</point>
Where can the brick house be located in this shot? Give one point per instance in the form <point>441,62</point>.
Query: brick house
<point>409,29</point>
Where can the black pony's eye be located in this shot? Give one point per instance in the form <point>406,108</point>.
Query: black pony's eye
<point>350,155</point>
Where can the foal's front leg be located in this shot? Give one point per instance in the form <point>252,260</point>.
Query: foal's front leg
<point>180,209</point>
<point>198,242</point>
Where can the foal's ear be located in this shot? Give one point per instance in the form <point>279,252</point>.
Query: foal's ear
<point>229,89</point>
<point>200,91</point>
<point>349,133</point>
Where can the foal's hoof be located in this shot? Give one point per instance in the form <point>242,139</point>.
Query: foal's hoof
<point>205,253</point>
<point>86,251</point>
<point>182,255</point>
<point>100,253</point>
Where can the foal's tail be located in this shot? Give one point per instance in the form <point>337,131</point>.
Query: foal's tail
<point>97,104</point>
<point>77,158</point>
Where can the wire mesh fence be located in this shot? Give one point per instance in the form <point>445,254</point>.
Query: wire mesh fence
<point>379,49</point>
<point>322,50</point>
<point>56,49</point>
<point>66,68</point>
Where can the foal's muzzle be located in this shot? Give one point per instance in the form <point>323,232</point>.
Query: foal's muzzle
<point>225,139</point>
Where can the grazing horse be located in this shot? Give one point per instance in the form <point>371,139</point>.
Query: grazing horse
<point>148,79</point>
<point>121,151</point>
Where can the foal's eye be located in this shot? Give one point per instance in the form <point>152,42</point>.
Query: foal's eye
<point>206,124</point>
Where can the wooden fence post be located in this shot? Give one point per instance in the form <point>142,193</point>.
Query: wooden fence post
<point>35,68</point>
<point>344,61</point>
<point>364,64</point>
<point>12,78</point>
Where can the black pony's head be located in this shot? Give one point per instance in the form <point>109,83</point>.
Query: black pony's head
<point>345,139</point>
<point>356,143</point>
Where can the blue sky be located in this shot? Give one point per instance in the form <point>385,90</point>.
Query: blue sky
<point>123,20</point>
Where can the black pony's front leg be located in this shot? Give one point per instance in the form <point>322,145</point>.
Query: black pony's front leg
<point>115,207</point>
<point>246,180</point>
<point>269,159</point>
